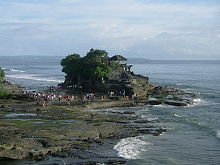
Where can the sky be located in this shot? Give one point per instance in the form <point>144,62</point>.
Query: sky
<point>155,29</point>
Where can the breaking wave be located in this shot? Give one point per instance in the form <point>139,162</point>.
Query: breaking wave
<point>218,134</point>
<point>131,147</point>
<point>15,70</point>
<point>33,77</point>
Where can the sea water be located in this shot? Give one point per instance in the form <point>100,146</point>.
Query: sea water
<point>194,131</point>
<point>35,72</point>
<point>193,135</point>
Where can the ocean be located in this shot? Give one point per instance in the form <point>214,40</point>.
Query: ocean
<point>36,73</point>
<point>193,135</point>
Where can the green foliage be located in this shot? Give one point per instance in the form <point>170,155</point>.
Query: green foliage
<point>114,64</point>
<point>2,74</point>
<point>98,54</point>
<point>101,71</point>
<point>3,94</point>
<point>71,64</point>
<point>90,67</point>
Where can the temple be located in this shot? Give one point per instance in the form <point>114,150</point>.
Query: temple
<point>120,80</point>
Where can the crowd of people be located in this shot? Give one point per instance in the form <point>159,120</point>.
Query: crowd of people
<point>54,94</point>
<point>42,98</point>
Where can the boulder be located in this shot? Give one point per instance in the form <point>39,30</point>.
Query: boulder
<point>154,101</point>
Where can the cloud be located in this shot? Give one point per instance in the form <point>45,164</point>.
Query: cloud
<point>187,51</point>
<point>150,28</point>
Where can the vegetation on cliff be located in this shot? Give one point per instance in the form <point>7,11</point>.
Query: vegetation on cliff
<point>3,94</point>
<point>96,72</point>
<point>2,75</point>
<point>90,68</point>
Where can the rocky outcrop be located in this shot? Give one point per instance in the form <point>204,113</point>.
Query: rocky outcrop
<point>124,80</point>
<point>119,80</point>
<point>60,130</point>
<point>170,96</point>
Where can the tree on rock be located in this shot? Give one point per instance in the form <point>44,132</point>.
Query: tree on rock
<point>93,66</point>
<point>72,66</point>
<point>85,71</point>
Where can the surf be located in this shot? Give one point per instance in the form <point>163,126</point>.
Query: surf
<point>130,148</point>
<point>16,70</point>
<point>33,77</point>
<point>218,134</point>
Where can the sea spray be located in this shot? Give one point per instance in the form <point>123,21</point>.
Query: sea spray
<point>130,148</point>
<point>218,134</point>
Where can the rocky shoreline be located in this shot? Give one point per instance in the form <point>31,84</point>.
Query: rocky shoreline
<point>57,130</point>
<point>74,131</point>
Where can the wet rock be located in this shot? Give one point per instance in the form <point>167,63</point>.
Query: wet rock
<point>154,102</point>
<point>5,106</point>
<point>40,158</point>
<point>146,121</point>
<point>154,131</point>
<point>13,153</point>
<point>176,103</point>
<point>144,131</point>
<point>129,113</point>
<point>38,111</point>
<point>170,96</point>
<point>115,162</point>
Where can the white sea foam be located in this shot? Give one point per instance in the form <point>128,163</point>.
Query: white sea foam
<point>15,70</point>
<point>177,115</point>
<point>33,77</point>
<point>160,105</point>
<point>197,100</point>
<point>131,147</point>
<point>145,109</point>
<point>152,118</point>
<point>178,85</point>
<point>218,134</point>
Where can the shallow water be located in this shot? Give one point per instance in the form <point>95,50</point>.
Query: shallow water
<point>17,115</point>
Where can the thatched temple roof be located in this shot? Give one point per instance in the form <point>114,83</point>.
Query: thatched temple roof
<point>118,58</point>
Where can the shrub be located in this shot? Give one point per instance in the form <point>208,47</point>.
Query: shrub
<point>4,94</point>
<point>2,74</point>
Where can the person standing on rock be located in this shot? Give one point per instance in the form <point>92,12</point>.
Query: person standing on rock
<point>59,98</point>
